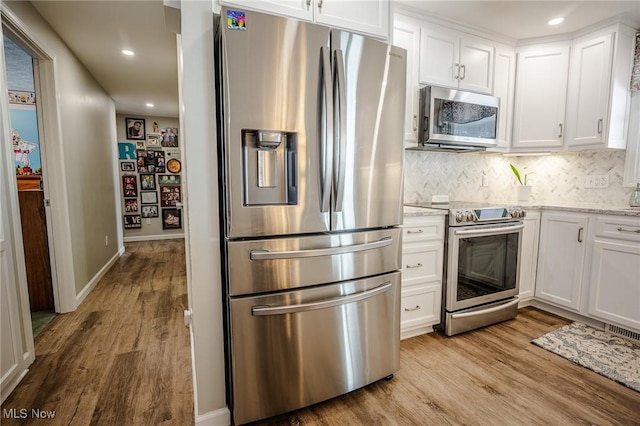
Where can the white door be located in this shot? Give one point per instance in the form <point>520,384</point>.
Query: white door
<point>370,16</point>
<point>439,54</point>
<point>476,66</point>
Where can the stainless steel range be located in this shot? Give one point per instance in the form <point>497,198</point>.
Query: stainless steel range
<point>482,264</point>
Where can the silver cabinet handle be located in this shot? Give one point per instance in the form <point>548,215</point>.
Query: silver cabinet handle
<point>457,76</point>
<point>561,130</point>
<point>328,303</point>
<point>600,125</point>
<point>319,4</point>
<point>635,231</point>
<point>417,265</point>
<point>341,115</point>
<point>419,231</point>
<point>324,118</point>
<point>580,234</point>
<point>417,308</point>
<point>464,72</point>
<point>329,251</point>
<point>308,4</point>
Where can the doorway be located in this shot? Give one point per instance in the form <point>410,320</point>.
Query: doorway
<point>24,113</point>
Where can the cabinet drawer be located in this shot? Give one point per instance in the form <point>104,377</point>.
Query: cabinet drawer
<point>422,262</point>
<point>423,229</point>
<point>619,228</point>
<point>420,306</point>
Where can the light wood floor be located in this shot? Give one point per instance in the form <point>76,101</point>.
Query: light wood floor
<point>123,359</point>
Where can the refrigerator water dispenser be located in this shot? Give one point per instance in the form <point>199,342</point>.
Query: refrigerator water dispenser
<point>269,167</point>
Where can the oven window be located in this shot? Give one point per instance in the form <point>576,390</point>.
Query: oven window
<point>487,265</point>
<point>464,119</point>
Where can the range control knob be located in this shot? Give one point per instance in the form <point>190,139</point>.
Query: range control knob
<point>471,216</point>
<point>460,217</point>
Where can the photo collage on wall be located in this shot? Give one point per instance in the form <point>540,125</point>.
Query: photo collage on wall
<point>151,184</point>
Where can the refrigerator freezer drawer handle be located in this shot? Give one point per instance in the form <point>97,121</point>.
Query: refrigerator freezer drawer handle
<point>328,303</point>
<point>485,311</point>
<point>293,254</point>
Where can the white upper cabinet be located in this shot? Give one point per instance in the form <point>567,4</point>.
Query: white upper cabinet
<point>406,34</point>
<point>363,16</point>
<point>453,59</point>
<point>541,93</point>
<point>598,96</point>
<point>504,83</point>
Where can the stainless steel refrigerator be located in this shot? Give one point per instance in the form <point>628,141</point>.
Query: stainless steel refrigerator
<point>310,135</point>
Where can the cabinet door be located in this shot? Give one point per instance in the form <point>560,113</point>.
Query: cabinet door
<point>589,89</point>
<point>632,157</point>
<point>529,257</point>
<point>299,9</point>
<point>614,286</point>
<point>370,16</point>
<point>504,83</point>
<point>439,55</point>
<point>541,92</point>
<point>476,65</point>
<point>561,259</point>
<point>406,34</point>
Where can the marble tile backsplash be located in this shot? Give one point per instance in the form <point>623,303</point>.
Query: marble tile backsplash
<point>555,178</point>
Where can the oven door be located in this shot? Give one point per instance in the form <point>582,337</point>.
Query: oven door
<point>483,264</point>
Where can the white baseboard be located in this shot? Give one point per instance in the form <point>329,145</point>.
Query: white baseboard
<point>152,237</point>
<point>567,314</point>
<point>97,277</point>
<point>221,417</point>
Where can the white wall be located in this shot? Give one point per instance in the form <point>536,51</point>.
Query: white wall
<point>202,232</point>
<point>81,154</point>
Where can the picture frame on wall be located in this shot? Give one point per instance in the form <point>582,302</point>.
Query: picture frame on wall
<point>149,197</point>
<point>168,179</point>
<point>169,137</point>
<point>131,205</point>
<point>132,221</point>
<point>129,186</point>
<point>141,145</point>
<point>149,211</point>
<point>171,219</point>
<point>135,128</point>
<point>153,140</point>
<point>147,182</point>
<point>170,195</point>
<point>128,166</point>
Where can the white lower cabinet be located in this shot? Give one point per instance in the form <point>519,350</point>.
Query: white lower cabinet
<point>529,257</point>
<point>614,286</point>
<point>561,259</point>
<point>422,268</point>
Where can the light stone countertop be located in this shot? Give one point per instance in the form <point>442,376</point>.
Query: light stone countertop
<point>572,207</point>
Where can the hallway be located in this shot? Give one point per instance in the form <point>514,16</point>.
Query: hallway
<point>123,357</point>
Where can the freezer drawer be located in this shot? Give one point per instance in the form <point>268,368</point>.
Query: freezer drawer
<point>297,348</point>
<point>260,266</point>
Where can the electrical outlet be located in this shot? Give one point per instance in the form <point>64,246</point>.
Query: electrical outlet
<point>597,181</point>
<point>106,240</point>
<point>485,179</point>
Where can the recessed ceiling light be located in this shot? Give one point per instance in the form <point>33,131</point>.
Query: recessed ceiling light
<point>149,104</point>
<point>127,52</point>
<point>555,21</point>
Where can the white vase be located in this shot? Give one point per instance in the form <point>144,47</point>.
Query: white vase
<point>523,193</point>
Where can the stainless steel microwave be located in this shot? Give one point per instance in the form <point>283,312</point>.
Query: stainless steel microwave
<point>451,119</point>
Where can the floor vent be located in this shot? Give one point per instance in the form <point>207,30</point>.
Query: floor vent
<point>622,332</point>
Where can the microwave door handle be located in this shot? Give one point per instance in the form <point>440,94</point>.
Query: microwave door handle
<point>341,118</point>
<point>325,125</point>
<point>490,231</point>
<point>321,304</point>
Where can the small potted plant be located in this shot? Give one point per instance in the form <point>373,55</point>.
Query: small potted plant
<point>524,190</point>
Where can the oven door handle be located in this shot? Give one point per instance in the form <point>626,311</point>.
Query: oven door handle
<point>490,231</point>
<point>327,303</point>
<point>485,311</point>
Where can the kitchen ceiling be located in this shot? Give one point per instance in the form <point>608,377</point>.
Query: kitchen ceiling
<point>96,31</point>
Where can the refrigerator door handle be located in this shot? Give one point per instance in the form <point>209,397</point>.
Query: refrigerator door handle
<point>294,254</point>
<point>327,303</point>
<point>326,128</point>
<point>341,128</point>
